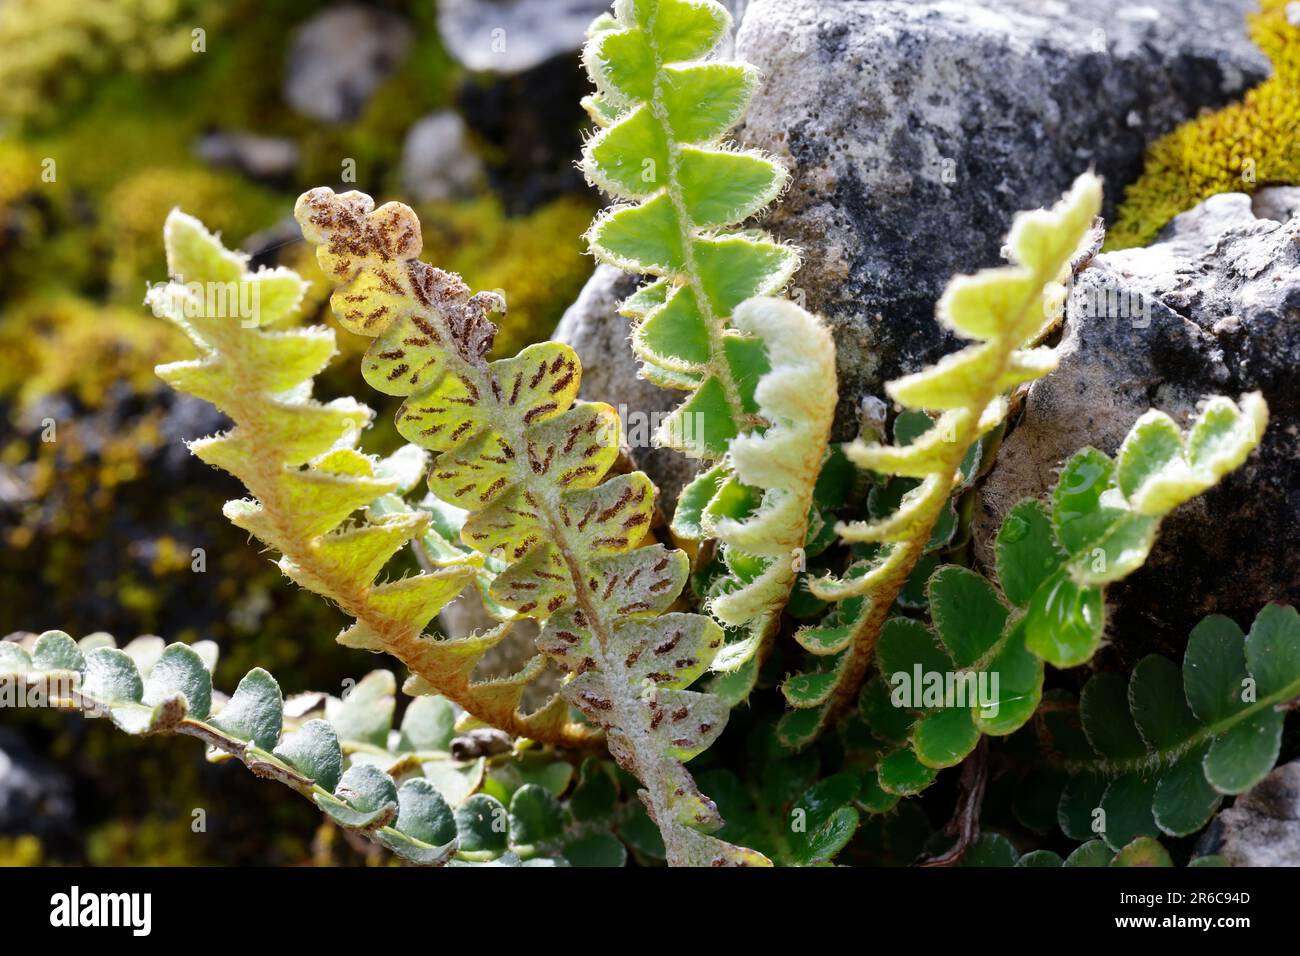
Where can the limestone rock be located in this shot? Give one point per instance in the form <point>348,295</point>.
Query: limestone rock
<point>437,162</point>
<point>511,36</point>
<point>265,158</point>
<point>1262,828</point>
<point>915,130</point>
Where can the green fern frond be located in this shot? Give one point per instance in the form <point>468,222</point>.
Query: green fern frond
<point>514,448</point>
<point>761,371</point>
<point>1053,565</point>
<point>664,111</point>
<point>1157,753</point>
<point>1007,311</point>
<point>298,459</point>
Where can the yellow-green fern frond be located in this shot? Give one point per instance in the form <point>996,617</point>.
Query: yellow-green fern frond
<point>298,459</point>
<point>756,504</point>
<point>1006,311</point>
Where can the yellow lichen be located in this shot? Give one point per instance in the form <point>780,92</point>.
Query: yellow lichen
<point>1240,148</point>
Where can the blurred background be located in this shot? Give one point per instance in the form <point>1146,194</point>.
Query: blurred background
<point>112,112</point>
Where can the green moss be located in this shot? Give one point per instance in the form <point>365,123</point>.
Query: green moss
<point>56,50</point>
<point>135,207</point>
<point>69,345</point>
<point>1240,148</point>
<point>23,850</point>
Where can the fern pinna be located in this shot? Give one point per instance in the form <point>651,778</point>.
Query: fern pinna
<point>262,380</point>
<point>514,448</point>
<point>761,371</point>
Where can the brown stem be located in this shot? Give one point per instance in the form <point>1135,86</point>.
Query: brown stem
<point>965,824</point>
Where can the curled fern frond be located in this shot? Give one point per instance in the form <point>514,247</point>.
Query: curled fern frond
<point>757,503</point>
<point>1007,311</point>
<point>1053,564</point>
<point>1105,517</point>
<point>664,110</point>
<point>1157,753</point>
<point>514,448</point>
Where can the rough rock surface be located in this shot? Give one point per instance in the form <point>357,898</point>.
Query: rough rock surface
<point>917,129</point>
<point>1262,828</point>
<point>511,36</point>
<point>599,335</point>
<point>339,57</point>
<point>437,162</point>
<point>1212,308</point>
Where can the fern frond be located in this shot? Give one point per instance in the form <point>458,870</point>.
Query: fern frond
<point>757,503</point>
<point>1157,753</point>
<point>761,372</point>
<point>1007,311</point>
<point>514,448</point>
<point>405,787</point>
<point>262,380</point>
<point>145,693</point>
<point>1053,565</point>
<point>664,110</point>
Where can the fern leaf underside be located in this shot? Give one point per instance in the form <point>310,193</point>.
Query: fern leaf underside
<point>513,447</point>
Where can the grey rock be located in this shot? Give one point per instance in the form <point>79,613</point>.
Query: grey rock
<point>35,795</point>
<point>1278,203</point>
<point>437,162</point>
<point>510,36</point>
<point>1213,307</point>
<point>266,158</point>
<point>610,373</point>
<point>917,129</point>
<point>507,37</point>
<point>339,57</point>
<point>1262,828</point>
